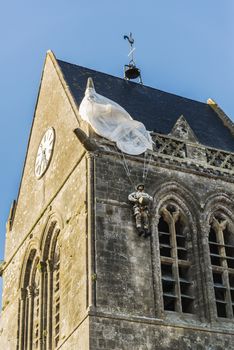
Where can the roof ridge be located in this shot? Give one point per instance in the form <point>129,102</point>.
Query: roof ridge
<point>222,115</point>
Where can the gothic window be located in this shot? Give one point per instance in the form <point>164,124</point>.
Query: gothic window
<point>175,255</point>
<point>221,244</point>
<point>39,311</point>
<point>30,305</point>
<point>51,257</point>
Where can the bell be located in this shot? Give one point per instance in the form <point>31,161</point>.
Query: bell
<point>131,72</point>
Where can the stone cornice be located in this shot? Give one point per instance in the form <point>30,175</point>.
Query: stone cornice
<point>185,156</point>
<point>203,327</point>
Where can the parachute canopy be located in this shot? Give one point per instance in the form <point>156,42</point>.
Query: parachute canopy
<point>110,120</point>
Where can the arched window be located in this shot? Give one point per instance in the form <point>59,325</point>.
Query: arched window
<point>29,326</point>
<point>51,257</point>
<point>176,261</point>
<point>39,310</point>
<point>221,244</point>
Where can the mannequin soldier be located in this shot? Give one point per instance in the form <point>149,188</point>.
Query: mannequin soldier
<point>141,201</point>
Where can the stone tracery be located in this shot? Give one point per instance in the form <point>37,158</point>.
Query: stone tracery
<point>39,322</point>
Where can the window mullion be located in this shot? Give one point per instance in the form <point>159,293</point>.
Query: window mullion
<point>42,306</point>
<point>222,251</point>
<point>50,267</point>
<point>31,316</point>
<point>56,299</point>
<point>228,294</point>
<point>175,266</point>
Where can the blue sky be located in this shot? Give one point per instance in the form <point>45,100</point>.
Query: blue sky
<point>183,47</point>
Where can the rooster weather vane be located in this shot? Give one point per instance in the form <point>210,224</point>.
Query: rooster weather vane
<point>131,72</point>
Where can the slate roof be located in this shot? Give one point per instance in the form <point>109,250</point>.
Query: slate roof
<point>158,110</point>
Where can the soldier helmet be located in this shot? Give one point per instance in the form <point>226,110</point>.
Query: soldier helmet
<point>140,185</point>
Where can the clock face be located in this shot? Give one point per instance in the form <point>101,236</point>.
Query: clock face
<point>44,153</point>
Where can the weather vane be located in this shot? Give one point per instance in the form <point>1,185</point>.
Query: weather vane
<point>130,70</point>
<point>132,49</point>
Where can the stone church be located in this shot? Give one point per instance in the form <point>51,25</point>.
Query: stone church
<point>76,274</point>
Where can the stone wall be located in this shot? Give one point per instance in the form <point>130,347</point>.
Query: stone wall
<point>61,195</point>
<point>71,204</point>
<point>120,334</point>
<point>52,110</point>
<point>128,283</point>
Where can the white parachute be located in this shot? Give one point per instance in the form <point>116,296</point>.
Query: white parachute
<point>110,120</point>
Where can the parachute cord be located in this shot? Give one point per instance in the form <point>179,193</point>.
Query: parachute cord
<point>125,165</point>
<point>128,172</point>
<point>146,167</point>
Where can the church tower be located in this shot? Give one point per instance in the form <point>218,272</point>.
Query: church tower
<point>76,274</point>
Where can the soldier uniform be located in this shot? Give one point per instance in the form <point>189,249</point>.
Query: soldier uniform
<point>141,201</point>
